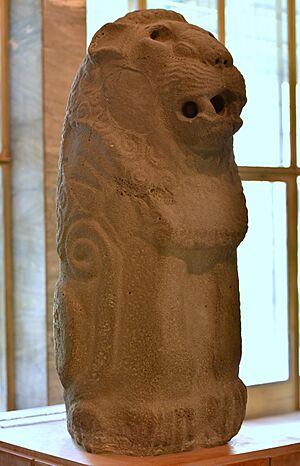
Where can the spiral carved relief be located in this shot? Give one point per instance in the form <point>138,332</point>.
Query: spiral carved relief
<point>84,250</point>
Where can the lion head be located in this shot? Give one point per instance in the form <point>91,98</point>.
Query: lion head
<point>166,63</point>
<point>154,107</point>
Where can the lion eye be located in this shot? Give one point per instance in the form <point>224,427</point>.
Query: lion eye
<point>154,34</point>
<point>190,109</point>
<point>160,33</point>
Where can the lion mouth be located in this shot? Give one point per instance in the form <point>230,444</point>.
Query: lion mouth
<point>221,107</point>
<point>218,103</point>
<point>222,102</point>
<point>227,104</point>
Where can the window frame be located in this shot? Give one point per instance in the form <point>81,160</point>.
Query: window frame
<point>5,167</point>
<point>278,397</point>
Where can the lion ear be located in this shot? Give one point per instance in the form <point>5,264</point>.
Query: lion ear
<point>107,43</point>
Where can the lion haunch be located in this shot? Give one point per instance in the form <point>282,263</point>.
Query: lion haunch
<point>150,212</point>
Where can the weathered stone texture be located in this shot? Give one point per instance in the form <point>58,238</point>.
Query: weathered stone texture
<point>150,213</point>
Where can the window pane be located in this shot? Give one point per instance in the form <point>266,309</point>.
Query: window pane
<point>262,263</point>
<point>258,43</point>
<point>97,15</point>
<point>3,390</point>
<point>27,202</point>
<point>204,13</point>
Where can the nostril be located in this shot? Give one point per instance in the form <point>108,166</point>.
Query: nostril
<point>218,103</point>
<point>222,61</point>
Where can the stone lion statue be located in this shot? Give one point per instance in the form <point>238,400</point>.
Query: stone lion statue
<point>150,212</point>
